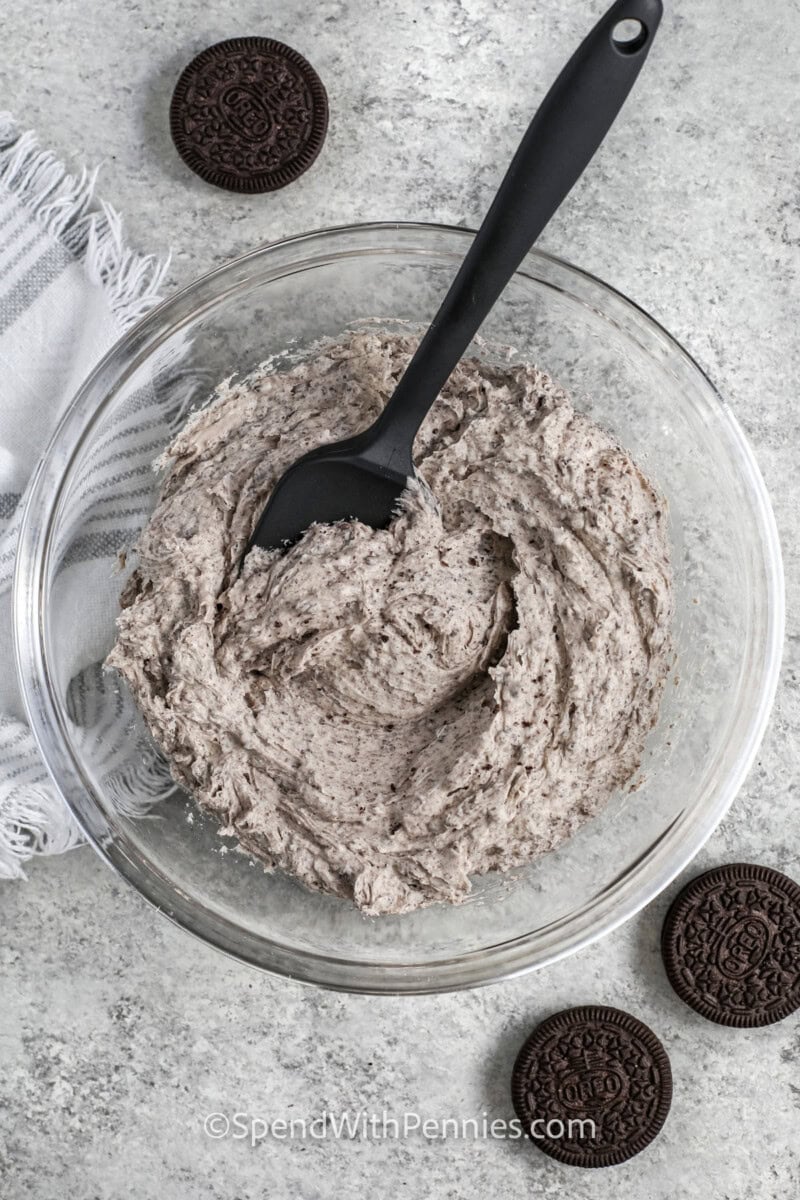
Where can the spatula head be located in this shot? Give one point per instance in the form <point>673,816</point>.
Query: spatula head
<point>324,487</point>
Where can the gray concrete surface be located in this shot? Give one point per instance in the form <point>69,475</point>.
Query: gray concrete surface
<point>118,1034</point>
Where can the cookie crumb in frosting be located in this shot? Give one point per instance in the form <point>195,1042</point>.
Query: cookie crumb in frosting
<point>385,713</point>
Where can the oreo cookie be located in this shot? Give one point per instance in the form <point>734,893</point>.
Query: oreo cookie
<point>731,945</point>
<point>249,114</point>
<point>592,1086</point>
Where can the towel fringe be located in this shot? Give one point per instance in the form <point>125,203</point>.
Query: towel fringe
<point>33,820</point>
<point>33,817</point>
<point>64,204</point>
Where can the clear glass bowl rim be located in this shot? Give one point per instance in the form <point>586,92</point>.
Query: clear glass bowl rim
<point>634,889</point>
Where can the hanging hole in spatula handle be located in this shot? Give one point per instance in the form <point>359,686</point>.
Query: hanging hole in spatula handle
<point>631,32</point>
<point>629,36</point>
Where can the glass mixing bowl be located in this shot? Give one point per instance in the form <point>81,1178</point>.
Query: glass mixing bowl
<point>92,492</point>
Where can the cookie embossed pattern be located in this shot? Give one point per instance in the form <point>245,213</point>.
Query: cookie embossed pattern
<point>601,1077</point>
<point>731,945</point>
<point>249,115</point>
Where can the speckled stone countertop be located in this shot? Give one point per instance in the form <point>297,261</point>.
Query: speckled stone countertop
<point>118,1033</point>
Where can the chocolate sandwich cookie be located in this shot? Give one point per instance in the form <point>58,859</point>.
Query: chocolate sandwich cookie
<point>249,114</point>
<point>731,945</point>
<point>592,1086</point>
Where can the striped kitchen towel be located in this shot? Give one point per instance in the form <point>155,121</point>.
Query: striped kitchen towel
<point>68,289</point>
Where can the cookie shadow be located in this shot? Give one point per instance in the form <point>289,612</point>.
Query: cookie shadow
<point>495,1082</point>
<point>647,960</point>
<point>153,116</point>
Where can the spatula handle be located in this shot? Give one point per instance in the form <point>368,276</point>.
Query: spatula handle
<point>562,138</point>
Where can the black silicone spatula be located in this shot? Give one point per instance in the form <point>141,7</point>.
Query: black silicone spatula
<point>363,476</point>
